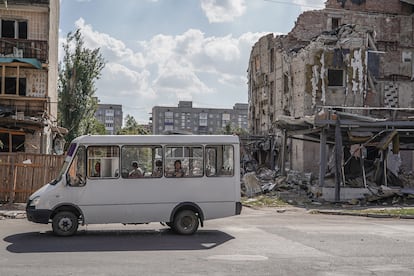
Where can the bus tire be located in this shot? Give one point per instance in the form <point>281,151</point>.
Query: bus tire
<point>65,223</point>
<point>185,222</point>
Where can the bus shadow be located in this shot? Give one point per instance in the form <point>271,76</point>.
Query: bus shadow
<point>115,240</point>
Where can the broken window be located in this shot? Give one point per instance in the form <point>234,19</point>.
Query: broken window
<point>335,22</point>
<point>14,29</point>
<point>12,142</point>
<point>11,86</point>
<point>285,83</point>
<point>257,64</point>
<point>272,91</point>
<point>406,56</point>
<point>272,60</point>
<point>335,78</point>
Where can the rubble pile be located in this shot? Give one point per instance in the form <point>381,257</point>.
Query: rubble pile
<point>299,188</point>
<point>293,188</point>
<point>12,215</point>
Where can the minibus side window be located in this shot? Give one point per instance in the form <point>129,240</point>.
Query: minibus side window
<point>103,162</point>
<point>219,160</point>
<point>76,174</point>
<point>141,161</point>
<point>184,161</point>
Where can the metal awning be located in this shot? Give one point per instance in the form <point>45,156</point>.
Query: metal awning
<point>408,1</point>
<point>32,61</point>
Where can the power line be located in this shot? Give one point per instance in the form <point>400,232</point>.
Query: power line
<point>294,4</point>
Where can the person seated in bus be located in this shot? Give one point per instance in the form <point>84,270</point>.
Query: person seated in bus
<point>158,169</point>
<point>178,170</point>
<point>136,171</point>
<point>97,171</point>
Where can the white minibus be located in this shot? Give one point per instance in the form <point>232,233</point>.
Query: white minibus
<point>179,180</point>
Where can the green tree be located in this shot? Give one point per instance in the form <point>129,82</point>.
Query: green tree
<point>80,68</point>
<point>132,127</point>
<point>230,129</point>
<point>97,127</point>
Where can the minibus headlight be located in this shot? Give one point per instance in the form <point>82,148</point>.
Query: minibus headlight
<point>34,201</point>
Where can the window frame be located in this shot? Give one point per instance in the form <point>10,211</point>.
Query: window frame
<point>155,156</point>
<point>187,159</point>
<point>103,160</point>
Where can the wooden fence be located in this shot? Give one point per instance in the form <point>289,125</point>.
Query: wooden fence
<point>23,173</point>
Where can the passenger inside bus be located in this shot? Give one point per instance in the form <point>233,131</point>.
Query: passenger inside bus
<point>158,169</point>
<point>97,171</point>
<point>136,171</point>
<point>178,170</point>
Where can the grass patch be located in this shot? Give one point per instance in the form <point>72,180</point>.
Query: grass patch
<point>391,212</point>
<point>264,201</point>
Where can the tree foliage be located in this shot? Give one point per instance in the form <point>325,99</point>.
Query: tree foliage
<point>229,129</point>
<point>80,68</point>
<point>132,127</point>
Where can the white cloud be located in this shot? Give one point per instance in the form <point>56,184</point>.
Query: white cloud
<point>168,68</point>
<point>223,10</point>
<point>111,48</point>
<point>310,4</point>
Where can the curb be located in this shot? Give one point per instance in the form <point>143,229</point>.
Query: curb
<point>369,215</point>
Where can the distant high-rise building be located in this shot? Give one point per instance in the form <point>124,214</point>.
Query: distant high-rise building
<point>185,118</point>
<point>111,116</point>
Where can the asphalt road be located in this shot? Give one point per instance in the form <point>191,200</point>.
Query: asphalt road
<point>258,242</point>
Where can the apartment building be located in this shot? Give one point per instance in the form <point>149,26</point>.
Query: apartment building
<point>352,56</point>
<point>111,116</point>
<point>29,75</point>
<point>185,118</point>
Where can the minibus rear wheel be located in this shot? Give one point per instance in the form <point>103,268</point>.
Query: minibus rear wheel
<point>185,222</point>
<point>65,223</point>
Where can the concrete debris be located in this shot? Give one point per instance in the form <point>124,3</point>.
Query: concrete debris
<point>12,215</point>
<point>251,185</point>
<point>302,189</point>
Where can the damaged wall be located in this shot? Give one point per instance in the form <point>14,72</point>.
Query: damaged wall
<point>29,108</point>
<point>352,53</point>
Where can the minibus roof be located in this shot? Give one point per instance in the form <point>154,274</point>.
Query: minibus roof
<point>156,139</point>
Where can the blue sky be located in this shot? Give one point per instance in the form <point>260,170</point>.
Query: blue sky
<point>159,52</point>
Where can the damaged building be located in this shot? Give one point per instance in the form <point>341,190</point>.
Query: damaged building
<point>29,74</point>
<point>339,85</point>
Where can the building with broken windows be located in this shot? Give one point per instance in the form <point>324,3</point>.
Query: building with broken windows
<point>343,76</point>
<point>29,74</point>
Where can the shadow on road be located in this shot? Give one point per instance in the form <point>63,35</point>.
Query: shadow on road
<point>92,241</point>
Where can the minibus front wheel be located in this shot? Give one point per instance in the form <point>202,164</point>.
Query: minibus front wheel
<point>65,223</point>
<point>185,222</point>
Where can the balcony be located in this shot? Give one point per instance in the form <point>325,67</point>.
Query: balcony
<point>29,106</point>
<point>24,48</point>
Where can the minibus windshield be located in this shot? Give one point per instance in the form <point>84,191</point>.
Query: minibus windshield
<point>71,150</point>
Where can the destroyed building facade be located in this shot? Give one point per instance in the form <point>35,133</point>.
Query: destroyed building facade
<point>354,57</point>
<point>29,75</point>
